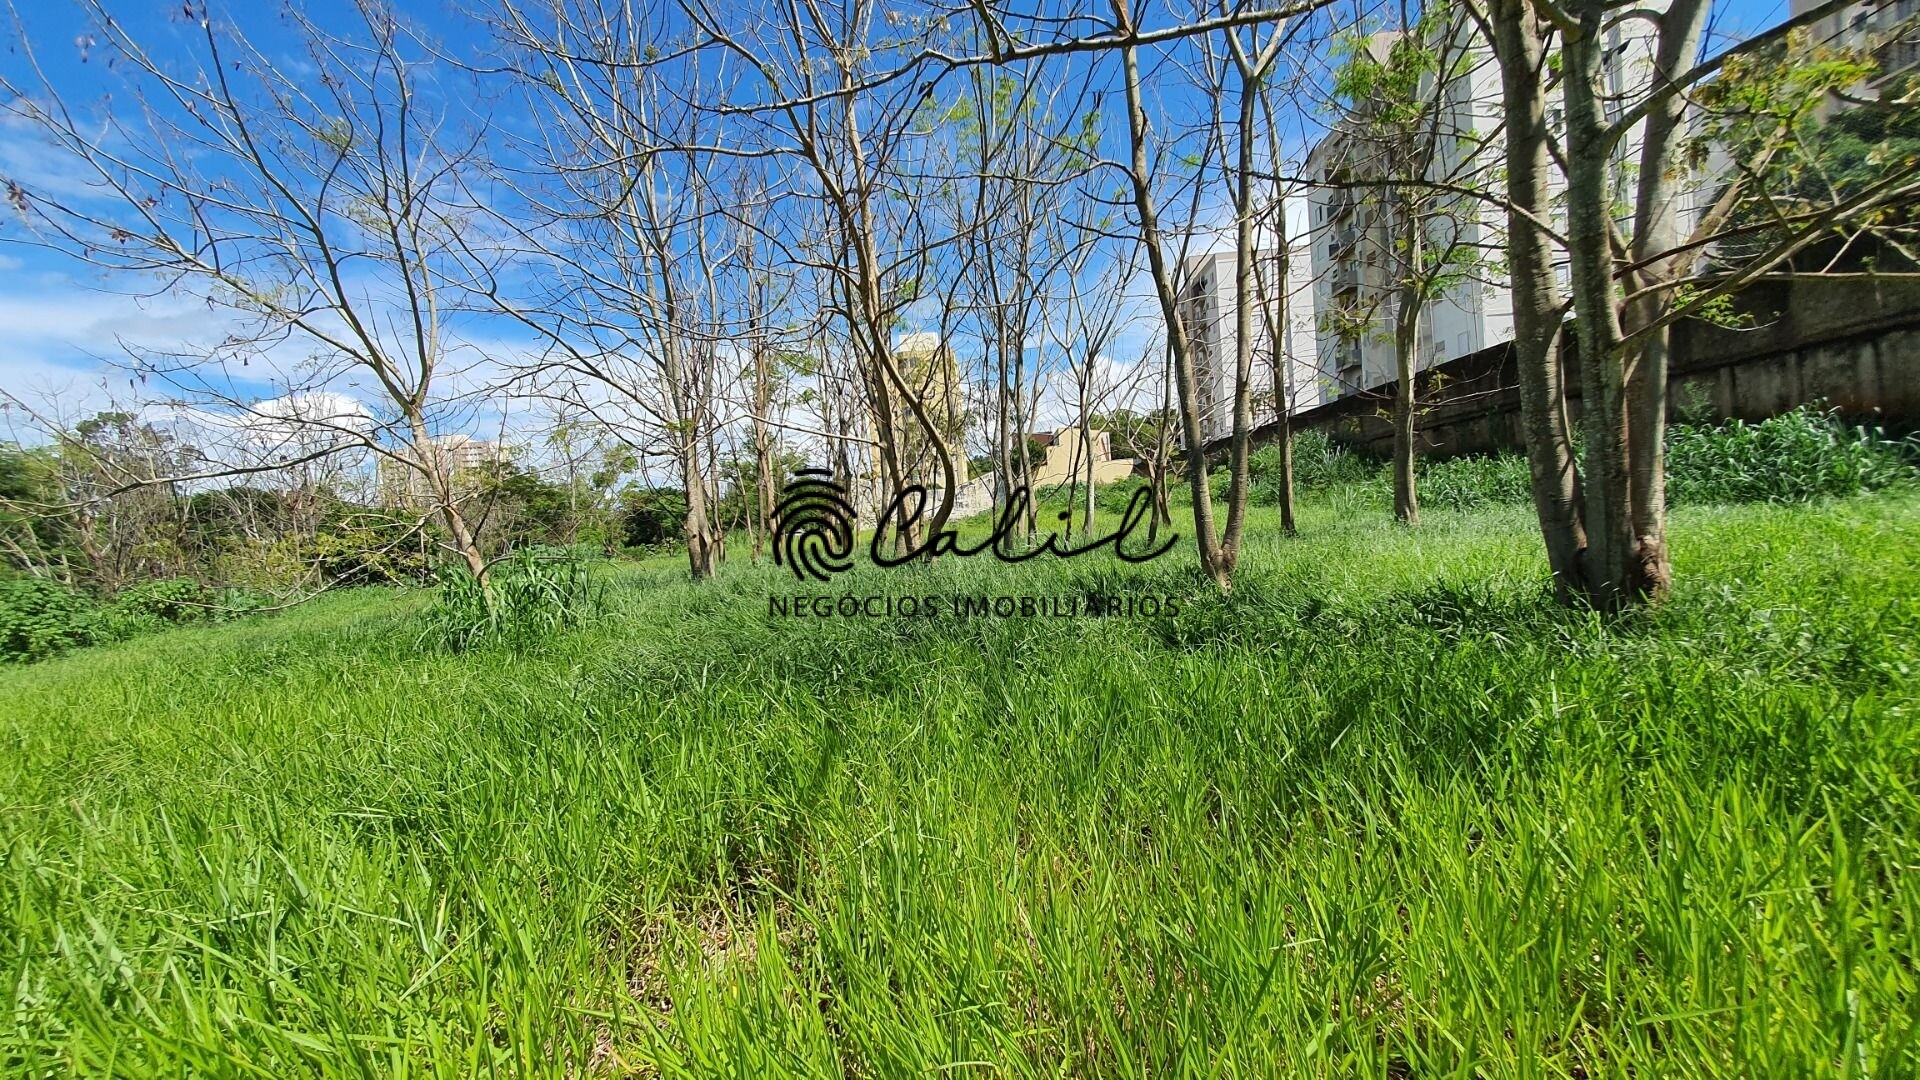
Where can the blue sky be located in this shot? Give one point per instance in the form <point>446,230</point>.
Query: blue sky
<point>62,325</point>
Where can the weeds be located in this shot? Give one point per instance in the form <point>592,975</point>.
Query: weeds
<point>1795,457</point>
<point>1386,811</point>
<point>39,618</point>
<point>531,595</point>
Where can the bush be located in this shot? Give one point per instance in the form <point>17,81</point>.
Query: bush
<point>41,618</point>
<point>1113,498</point>
<point>1467,483</point>
<point>172,600</point>
<point>1320,462</point>
<point>535,593</point>
<point>1795,457</point>
<point>1263,468</point>
<point>650,517</point>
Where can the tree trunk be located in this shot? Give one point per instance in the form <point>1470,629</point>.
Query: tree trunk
<point>762,448</point>
<point>1282,368</point>
<point>440,484</point>
<point>1092,471</point>
<point>1606,481</point>
<point>703,548</point>
<point>468,547</point>
<point>1406,337</point>
<point>1656,214</point>
<point>1212,560</point>
<point>1003,410</point>
<point>1288,526</point>
<point>1519,46</point>
<point>1406,359</point>
<point>1239,442</point>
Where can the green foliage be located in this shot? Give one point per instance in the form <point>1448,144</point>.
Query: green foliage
<point>1468,483</point>
<point>1262,837</point>
<point>1390,93</point>
<point>41,618</point>
<point>1764,113</point>
<point>1138,435</point>
<point>530,596</point>
<point>357,546</point>
<point>1320,462</point>
<point>539,509</point>
<point>1113,498</point>
<point>652,517</point>
<point>1795,457</point>
<point>175,600</point>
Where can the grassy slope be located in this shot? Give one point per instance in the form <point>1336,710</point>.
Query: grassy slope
<point>1385,813</point>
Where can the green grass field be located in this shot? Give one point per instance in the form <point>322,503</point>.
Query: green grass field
<point>1387,812</point>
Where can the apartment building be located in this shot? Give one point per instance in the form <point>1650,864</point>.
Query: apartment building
<point>1887,30</point>
<point>1356,240</point>
<point>1208,306</point>
<point>456,456</point>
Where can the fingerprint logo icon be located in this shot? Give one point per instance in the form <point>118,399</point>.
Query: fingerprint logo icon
<point>813,526</point>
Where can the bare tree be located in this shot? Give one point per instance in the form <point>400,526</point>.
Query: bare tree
<point>1219,551</point>
<point>812,100</point>
<point>320,211</point>
<point>630,211</point>
<point>1093,314</point>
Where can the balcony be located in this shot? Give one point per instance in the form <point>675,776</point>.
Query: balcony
<point>1898,53</point>
<point>1340,204</point>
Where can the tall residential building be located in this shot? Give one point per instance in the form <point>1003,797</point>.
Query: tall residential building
<point>1887,30</point>
<point>1208,306</point>
<point>1357,257</point>
<point>455,456</point>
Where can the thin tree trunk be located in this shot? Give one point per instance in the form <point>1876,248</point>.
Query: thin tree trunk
<point>1212,561</point>
<point>440,480</point>
<point>1519,46</point>
<point>1288,526</point>
<point>1244,297</point>
<point>1657,213</point>
<point>1092,471</point>
<point>1282,368</point>
<point>1406,338</point>
<point>703,551</point>
<point>1606,481</point>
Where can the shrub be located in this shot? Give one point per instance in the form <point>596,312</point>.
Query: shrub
<point>1795,457</point>
<point>1467,483</point>
<point>1263,468</point>
<point>1113,498</point>
<point>1320,462</point>
<point>172,600</point>
<point>41,618</point>
<point>535,593</point>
